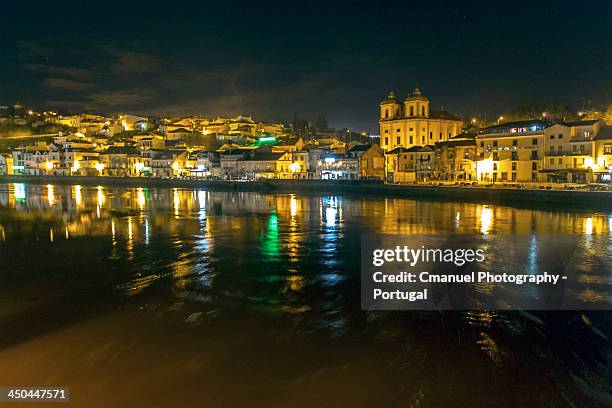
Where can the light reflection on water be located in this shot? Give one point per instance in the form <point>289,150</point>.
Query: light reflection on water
<point>291,262</point>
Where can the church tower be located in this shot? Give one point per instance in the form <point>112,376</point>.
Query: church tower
<point>390,108</point>
<point>416,105</point>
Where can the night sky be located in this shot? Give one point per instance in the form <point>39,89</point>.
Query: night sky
<point>274,60</point>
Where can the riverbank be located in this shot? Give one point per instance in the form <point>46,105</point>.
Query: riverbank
<point>508,196</point>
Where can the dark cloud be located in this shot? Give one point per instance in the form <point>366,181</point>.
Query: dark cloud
<point>67,84</point>
<point>130,62</point>
<point>32,49</point>
<point>121,98</point>
<point>79,74</point>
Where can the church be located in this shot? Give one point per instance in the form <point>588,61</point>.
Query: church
<point>413,123</point>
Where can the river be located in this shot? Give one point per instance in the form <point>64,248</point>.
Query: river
<point>172,297</point>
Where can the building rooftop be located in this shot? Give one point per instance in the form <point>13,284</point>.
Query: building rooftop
<point>580,123</point>
<point>605,133</point>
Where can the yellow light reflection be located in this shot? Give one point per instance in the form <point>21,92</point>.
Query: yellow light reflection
<point>78,197</point>
<point>50,194</point>
<point>293,206</point>
<point>100,196</point>
<point>486,220</point>
<point>177,201</point>
<point>588,226</point>
<point>141,198</point>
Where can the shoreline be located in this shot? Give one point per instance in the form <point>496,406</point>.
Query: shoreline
<point>505,196</point>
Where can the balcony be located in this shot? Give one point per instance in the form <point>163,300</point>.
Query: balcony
<point>567,153</point>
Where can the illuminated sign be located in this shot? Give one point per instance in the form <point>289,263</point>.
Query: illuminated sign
<point>267,139</point>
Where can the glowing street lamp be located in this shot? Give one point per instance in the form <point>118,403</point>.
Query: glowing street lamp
<point>175,166</point>
<point>100,167</point>
<point>49,165</point>
<point>294,167</point>
<point>76,166</point>
<point>139,167</point>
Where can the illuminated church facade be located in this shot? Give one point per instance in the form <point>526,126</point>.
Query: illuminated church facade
<point>413,123</point>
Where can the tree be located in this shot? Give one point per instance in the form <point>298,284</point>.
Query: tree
<point>321,124</point>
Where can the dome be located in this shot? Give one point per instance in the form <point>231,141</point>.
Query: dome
<point>416,94</point>
<point>391,98</point>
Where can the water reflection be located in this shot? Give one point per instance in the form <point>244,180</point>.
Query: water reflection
<point>291,262</point>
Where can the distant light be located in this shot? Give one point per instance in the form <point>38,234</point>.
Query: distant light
<point>330,160</point>
<point>294,167</point>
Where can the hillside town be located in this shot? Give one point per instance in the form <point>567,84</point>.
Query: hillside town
<point>416,144</point>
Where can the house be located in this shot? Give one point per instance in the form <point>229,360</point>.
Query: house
<point>455,159</point>
<point>568,152</point>
<point>410,165</point>
<point>371,161</point>
<point>510,151</point>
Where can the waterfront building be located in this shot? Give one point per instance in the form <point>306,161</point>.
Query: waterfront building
<point>6,164</point>
<point>455,159</point>
<point>337,166</point>
<point>603,155</point>
<point>371,161</point>
<point>300,164</point>
<point>510,152</point>
<point>410,165</point>
<point>414,123</point>
<point>569,148</point>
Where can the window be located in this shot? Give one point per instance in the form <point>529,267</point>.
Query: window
<point>552,161</point>
<point>494,166</point>
<point>386,141</point>
<point>534,166</point>
<point>513,166</point>
<point>515,142</point>
<point>514,156</point>
<point>386,113</point>
<point>560,149</point>
<point>574,148</point>
<point>534,141</point>
<point>398,140</point>
<point>607,149</point>
<point>560,161</point>
<point>411,129</point>
<point>430,135</point>
<point>552,149</point>
<point>504,176</point>
<point>495,143</point>
<point>552,137</point>
<point>581,148</point>
<point>440,135</point>
<point>481,144</point>
<point>412,111</point>
<point>411,140</point>
<point>423,139</point>
<point>495,156</point>
<point>423,111</point>
<point>398,130</point>
<point>560,136</point>
<point>534,155</point>
<point>513,176</point>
